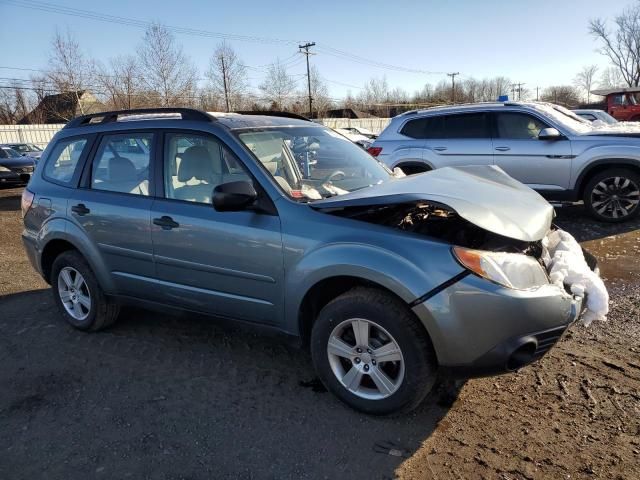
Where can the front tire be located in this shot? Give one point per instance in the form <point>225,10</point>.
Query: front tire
<point>613,195</point>
<point>78,295</point>
<point>372,352</point>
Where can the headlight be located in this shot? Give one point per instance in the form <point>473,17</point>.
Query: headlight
<point>4,169</point>
<point>513,270</point>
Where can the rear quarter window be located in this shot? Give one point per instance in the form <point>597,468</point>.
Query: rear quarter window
<point>428,127</point>
<point>63,160</point>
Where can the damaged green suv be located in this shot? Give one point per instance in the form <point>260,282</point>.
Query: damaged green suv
<point>279,221</point>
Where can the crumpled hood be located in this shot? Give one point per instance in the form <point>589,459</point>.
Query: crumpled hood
<point>483,195</point>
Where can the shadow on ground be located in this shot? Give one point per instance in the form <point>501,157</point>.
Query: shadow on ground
<point>576,220</point>
<point>159,396</point>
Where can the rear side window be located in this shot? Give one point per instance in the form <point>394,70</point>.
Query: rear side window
<point>121,163</point>
<point>428,127</point>
<point>63,161</point>
<point>468,125</point>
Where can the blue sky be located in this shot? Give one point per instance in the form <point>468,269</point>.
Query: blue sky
<point>540,43</point>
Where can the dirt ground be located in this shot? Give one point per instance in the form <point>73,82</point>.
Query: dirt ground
<point>165,397</point>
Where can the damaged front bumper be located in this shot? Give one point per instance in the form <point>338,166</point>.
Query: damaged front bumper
<point>480,328</point>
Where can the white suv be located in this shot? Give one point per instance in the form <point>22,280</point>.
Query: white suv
<point>545,146</point>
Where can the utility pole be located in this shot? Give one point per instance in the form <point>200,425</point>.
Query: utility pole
<point>306,52</point>
<point>453,85</point>
<point>516,87</point>
<point>224,81</point>
<point>537,94</point>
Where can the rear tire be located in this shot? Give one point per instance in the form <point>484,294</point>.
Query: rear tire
<point>414,169</point>
<point>78,295</point>
<point>613,195</point>
<point>391,371</point>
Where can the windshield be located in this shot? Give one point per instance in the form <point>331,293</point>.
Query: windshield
<point>311,163</point>
<point>10,153</point>
<point>565,117</point>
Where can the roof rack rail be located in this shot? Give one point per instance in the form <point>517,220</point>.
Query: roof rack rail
<point>270,113</point>
<point>108,117</point>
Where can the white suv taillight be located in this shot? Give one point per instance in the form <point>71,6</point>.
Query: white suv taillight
<point>374,151</point>
<point>27,200</point>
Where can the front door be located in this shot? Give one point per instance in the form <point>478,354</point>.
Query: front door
<point>223,263</point>
<point>540,164</point>
<point>113,207</point>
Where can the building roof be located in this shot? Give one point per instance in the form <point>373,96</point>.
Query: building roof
<point>608,91</point>
<point>62,107</point>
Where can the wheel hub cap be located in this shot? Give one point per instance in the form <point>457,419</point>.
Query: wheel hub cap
<point>74,293</point>
<point>615,197</point>
<point>365,359</point>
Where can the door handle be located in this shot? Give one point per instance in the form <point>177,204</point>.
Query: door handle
<point>80,209</point>
<point>167,223</point>
<point>503,149</point>
<point>439,149</point>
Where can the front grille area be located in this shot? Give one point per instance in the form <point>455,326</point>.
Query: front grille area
<point>22,169</point>
<point>546,340</point>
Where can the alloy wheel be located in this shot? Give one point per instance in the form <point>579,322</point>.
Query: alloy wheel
<point>365,359</point>
<point>615,197</point>
<point>74,293</point>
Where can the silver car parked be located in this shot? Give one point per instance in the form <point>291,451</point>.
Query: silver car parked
<point>544,146</point>
<point>284,223</point>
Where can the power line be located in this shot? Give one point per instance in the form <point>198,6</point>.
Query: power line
<point>327,50</point>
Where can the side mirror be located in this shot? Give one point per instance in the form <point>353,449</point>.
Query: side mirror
<point>234,196</point>
<point>549,134</point>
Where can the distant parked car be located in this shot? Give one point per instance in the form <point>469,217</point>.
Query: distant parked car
<point>361,140</point>
<point>545,146</point>
<point>14,168</point>
<point>593,115</point>
<point>361,131</point>
<point>25,149</point>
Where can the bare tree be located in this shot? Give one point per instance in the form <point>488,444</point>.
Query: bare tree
<point>121,82</point>
<point>610,78</point>
<point>69,70</point>
<point>228,76</point>
<point>168,73</point>
<point>278,86</point>
<point>565,95</point>
<point>622,43</point>
<point>585,78</point>
<point>319,92</point>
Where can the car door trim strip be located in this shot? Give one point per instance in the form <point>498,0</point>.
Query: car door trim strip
<point>174,262</point>
<point>189,288</point>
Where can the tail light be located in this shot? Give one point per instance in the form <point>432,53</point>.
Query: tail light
<point>374,151</point>
<point>26,202</point>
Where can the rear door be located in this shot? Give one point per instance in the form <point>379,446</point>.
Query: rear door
<point>223,263</point>
<point>458,139</point>
<point>540,164</point>
<point>113,207</point>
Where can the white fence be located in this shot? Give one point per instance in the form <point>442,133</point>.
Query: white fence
<point>376,125</point>
<point>38,134</point>
<point>42,134</point>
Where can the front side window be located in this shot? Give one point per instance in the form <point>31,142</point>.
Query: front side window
<point>121,164</point>
<point>311,163</point>
<point>465,126</point>
<point>63,160</point>
<point>195,164</point>
<point>518,126</point>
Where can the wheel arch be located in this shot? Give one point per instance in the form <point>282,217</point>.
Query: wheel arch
<point>600,166</point>
<point>72,237</point>
<point>414,166</point>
